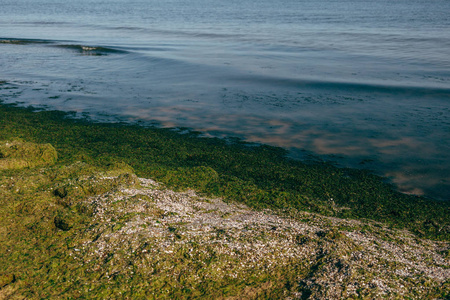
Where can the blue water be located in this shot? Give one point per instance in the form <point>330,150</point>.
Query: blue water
<point>362,83</point>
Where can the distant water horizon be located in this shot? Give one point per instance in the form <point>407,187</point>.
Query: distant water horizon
<point>362,84</point>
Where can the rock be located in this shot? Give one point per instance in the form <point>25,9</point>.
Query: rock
<point>6,279</point>
<point>82,181</point>
<point>17,155</point>
<point>62,223</point>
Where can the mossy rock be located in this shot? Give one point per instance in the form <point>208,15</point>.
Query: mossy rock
<point>6,279</point>
<point>80,185</point>
<point>17,154</point>
<point>118,168</point>
<point>62,223</point>
<point>65,220</point>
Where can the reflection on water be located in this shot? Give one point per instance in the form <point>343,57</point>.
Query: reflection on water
<point>414,164</point>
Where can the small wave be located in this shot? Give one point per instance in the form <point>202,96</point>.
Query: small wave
<point>127,28</point>
<point>91,50</point>
<point>46,23</point>
<point>349,86</point>
<point>81,49</point>
<point>13,41</point>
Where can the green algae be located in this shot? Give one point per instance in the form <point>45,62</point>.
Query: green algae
<point>17,154</point>
<point>199,178</point>
<point>37,224</point>
<point>6,279</point>
<point>82,181</point>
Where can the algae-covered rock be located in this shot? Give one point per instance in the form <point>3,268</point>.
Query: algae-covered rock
<point>81,184</point>
<point>6,279</point>
<point>62,224</point>
<point>64,220</point>
<point>18,154</point>
<point>118,168</point>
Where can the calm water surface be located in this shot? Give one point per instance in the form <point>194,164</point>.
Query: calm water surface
<point>362,83</point>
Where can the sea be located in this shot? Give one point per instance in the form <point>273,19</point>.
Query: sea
<point>358,83</point>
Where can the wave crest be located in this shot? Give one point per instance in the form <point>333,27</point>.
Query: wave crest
<point>81,49</point>
<point>91,50</point>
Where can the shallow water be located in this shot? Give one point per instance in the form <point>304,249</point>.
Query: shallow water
<point>362,83</point>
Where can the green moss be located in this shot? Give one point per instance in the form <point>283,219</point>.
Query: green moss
<point>17,154</point>
<point>199,178</point>
<point>80,180</point>
<point>6,279</point>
